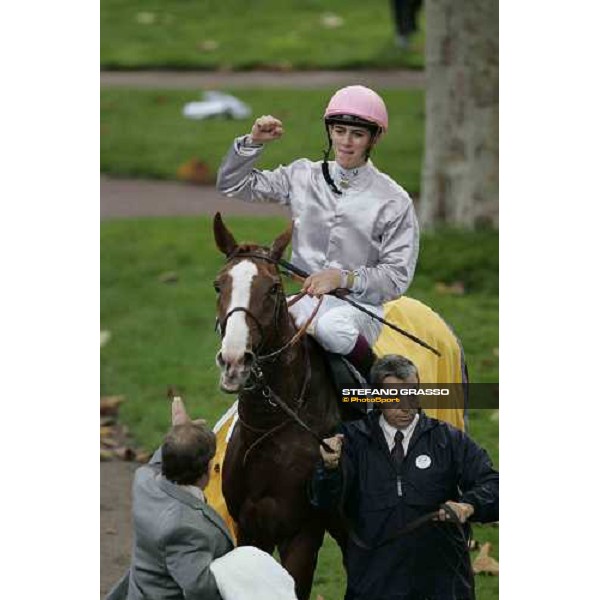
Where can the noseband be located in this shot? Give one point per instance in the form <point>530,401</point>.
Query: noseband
<point>268,392</point>
<point>221,325</point>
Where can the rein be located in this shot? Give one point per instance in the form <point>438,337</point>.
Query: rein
<point>429,517</point>
<point>414,525</point>
<point>338,294</point>
<point>267,391</point>
<point>299,334</point>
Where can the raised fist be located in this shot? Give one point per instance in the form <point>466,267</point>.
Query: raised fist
<point>266,129</point>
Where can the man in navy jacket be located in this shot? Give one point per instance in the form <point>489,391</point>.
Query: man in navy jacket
<point>386,481</point>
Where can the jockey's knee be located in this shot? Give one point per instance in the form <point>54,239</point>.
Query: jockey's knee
<point>336,333</point>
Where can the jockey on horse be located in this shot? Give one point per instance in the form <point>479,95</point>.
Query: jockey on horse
<point>355,228</point>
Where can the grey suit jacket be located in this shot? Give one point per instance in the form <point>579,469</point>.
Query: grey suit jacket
<point>176,537</point>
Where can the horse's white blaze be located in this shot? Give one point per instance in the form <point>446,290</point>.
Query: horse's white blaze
<point>236,331</point>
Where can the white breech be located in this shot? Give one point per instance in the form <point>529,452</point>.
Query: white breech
<point>337,324</point>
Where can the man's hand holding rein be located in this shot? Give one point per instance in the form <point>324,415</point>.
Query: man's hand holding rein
<point>331,460</point>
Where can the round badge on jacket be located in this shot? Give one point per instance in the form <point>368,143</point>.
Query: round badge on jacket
<point>423,461</point>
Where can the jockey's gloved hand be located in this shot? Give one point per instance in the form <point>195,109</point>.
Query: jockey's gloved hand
<point>323,282</point>
<point>266,129</point>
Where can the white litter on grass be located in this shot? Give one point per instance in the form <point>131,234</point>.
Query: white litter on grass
<point>331,21</point>
<point>208,45</point>
<point>248,573</point>
<point>104,338</point>
<point>216,104</point>
<point>145,18</point>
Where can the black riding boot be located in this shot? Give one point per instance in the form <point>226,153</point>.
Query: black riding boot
<point>362,357</point>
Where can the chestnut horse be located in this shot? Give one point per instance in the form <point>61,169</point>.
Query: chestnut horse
<point>270,457</point>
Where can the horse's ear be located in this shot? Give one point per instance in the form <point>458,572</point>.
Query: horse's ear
<point>280,244</point>
<point>224,239</point>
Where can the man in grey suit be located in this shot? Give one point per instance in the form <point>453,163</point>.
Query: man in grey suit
<point>176,534</point>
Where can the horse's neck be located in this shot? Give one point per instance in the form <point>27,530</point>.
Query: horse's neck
<point>300,377</point>
<point>285,374</point>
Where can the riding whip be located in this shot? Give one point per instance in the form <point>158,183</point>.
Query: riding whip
<point>297,271</point>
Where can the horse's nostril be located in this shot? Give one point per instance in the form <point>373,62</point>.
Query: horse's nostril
<point>220,360</point>
<point>249,358</point>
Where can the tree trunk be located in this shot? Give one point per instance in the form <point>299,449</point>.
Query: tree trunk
<point>460,168</point>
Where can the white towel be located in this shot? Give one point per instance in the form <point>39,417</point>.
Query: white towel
<point>248,573</point>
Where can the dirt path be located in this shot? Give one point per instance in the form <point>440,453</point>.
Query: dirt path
<point>122,198</point>
<point>129,198</point>
<point>299,79</point>
<point>115,521</point>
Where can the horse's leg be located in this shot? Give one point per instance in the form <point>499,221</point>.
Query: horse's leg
<point>299,557</point>
<point>259,523</point>
<point>243,539</point>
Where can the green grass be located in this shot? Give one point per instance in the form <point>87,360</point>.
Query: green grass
<point>143,133</point>
<point>162,333</point>
<point>249,34</point>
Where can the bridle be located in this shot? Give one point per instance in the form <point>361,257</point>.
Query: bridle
<point>258,382</point>
<point>222,325</point>
<point>266,357</point>
<point>269,394</point>
<point>294,270</point>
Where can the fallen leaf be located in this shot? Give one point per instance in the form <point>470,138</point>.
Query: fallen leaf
<point>168,277</point>
<point>142,456</point>
<point>106,455</point>
<point>457,288</point>
<point>331,21</point>
<point>109,442</point>
<point>484,563</point>
<point>125,453</point>
<point>207,45</point>
<point>283,66</point>
<point>109,405</point>
<point>107,431</point>
<point>195,171</point>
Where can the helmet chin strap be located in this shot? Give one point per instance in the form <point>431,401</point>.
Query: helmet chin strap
<point>325,163</point>
<point>325,169</point>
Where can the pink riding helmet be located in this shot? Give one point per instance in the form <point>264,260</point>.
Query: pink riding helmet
<point>361,102</point>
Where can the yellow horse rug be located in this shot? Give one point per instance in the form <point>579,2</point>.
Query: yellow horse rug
<point>417,318</point>
<point>449,368</point>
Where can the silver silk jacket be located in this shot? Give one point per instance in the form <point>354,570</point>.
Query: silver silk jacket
<point>370,229</point>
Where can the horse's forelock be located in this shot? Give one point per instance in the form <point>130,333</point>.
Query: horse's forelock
<point>246,247</point>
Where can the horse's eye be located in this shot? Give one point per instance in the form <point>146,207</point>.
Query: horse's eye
<point>217,287</point>
<point>274,290</point>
